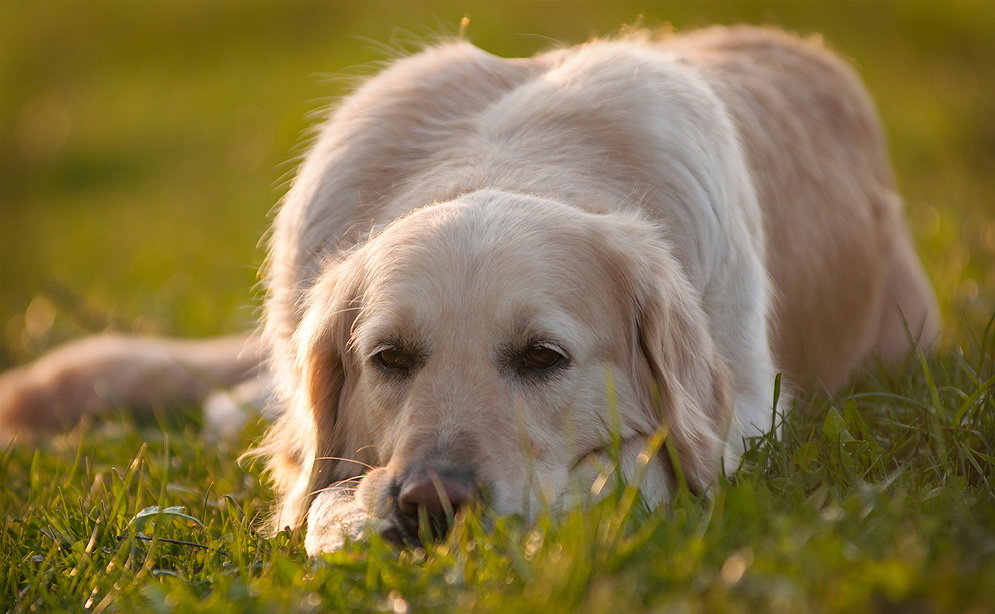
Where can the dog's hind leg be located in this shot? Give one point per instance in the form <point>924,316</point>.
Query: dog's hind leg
<point>909,313</point>
<point>98,374</point>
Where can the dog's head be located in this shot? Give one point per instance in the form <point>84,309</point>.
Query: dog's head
<point>489,349</point>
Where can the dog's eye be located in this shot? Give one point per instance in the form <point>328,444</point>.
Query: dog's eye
<point>394,361</point>
<point>541,358</point>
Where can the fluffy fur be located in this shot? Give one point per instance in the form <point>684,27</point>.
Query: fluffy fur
<point>629,237</point>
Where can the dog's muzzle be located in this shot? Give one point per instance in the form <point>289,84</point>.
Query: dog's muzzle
<point>425,502</point>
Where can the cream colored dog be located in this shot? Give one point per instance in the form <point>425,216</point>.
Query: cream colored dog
<point>488,268</point>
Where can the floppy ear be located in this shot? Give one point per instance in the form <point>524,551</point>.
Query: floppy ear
<point>688,391</point>
<point>685,384</point>
<point>304,441</point>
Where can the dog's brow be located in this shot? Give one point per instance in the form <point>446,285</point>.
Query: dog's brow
<point>528,327</point>
<point>369,342</point>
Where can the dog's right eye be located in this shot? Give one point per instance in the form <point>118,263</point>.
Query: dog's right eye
<point>541,358</point>
<point>394,361</point>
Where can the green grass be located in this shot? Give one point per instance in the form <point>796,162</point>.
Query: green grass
<point>880,500</point>
<point>179,116</point>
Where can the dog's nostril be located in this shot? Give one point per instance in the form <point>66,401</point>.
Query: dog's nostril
<point>439,496</point>
<point>426,502</point>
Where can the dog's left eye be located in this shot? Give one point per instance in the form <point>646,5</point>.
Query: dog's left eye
<point>540,358</point>
<point>394,361</point>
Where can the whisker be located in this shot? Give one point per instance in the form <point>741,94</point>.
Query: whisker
<point>345,310</point>
<point>334,486</point>
<point>348,460</point>
<point>321,490</point>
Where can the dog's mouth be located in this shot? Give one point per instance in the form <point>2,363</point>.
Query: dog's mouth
<point>599,453</point>
<point>615,452</point>
<point>413,531</point>
<point>624,460</point>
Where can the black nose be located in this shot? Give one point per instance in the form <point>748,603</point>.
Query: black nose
<point>436,496</point>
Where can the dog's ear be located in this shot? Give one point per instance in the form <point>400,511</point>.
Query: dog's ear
<point>325,369</point>
<point>305,442</point>
<point>683,380</point>
<point>688,390</point>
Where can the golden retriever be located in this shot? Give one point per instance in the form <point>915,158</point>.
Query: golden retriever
<point>487,270</point>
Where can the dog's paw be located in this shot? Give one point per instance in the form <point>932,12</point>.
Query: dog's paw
<point>335,518</point>
<point>24,404</point>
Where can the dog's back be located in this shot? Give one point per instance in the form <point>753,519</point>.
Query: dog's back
<point>847,281</point>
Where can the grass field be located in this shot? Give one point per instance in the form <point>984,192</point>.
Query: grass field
<point>180,117</point>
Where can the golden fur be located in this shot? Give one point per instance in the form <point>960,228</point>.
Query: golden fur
<point>664,223</point>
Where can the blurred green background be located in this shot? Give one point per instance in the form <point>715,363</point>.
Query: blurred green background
<point>143,143</point>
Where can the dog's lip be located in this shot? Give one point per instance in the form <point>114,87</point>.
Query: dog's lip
<point>603,450</point>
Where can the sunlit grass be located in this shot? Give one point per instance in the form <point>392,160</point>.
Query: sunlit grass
<point>879,499</point>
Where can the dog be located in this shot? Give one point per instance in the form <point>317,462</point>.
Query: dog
<point>488,273</point>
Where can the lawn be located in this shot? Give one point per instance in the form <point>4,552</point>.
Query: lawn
<point>181,117</point>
